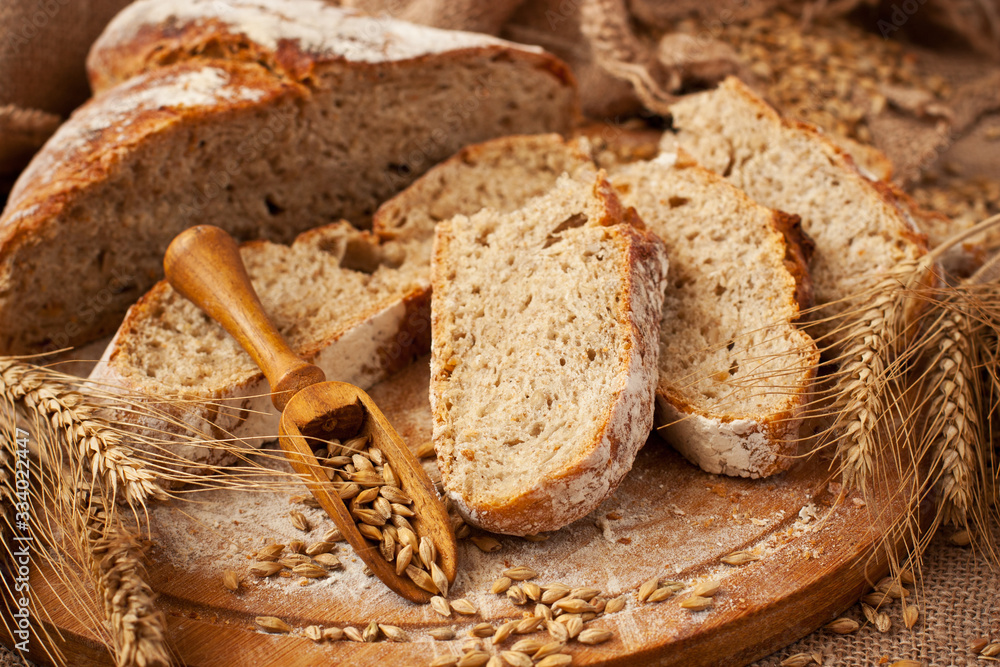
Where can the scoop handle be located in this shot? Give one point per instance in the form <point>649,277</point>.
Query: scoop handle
<point>203,263</point>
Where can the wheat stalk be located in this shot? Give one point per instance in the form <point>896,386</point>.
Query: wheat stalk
<point>89,439</point>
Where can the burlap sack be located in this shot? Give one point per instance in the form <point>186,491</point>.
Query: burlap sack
<point>43,46</point>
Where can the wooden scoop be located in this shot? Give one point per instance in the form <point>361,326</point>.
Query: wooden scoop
<point>204,264</point>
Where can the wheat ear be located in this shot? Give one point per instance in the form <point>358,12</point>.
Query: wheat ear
<point>91,442</point>
<point>955,445</point>
<point>114,558</point>
<point>868,346</point>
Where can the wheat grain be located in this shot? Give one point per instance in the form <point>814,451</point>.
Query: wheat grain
<point>557,660</point>
<point>442,634</point>
<point>272,624</point>
<point>910,615</point>
<point>574,626</point>
<point>520,573</point>
<point>486,544</point>
<point>532,590</point>
<point>516,659</point>
<point>707,589</point>
<point>842,626</point>
<point>474,659</point>
<point>615,605</point>
<point>696,603</point>
<point>230,580</point>
<point>595,636</point>
<point>463,606</point>
<point>548,649</point>
<point>516,595</point>
<point>528,646</point>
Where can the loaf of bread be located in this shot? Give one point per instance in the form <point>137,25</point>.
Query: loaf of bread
<point>860,232</point>
<point>232,140</point>
<point>356,308</point>
<point>734,370</point>
<point>545,327</point>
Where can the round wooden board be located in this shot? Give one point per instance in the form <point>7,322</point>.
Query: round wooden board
<point>668,519</point>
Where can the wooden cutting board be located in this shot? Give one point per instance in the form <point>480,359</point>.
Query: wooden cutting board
<point>668,519</point>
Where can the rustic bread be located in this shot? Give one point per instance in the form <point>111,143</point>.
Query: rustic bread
<point>167,346</point>
<point>263,155</point>
<point>545,324</point>
<point>734,371</point>
<point>354,307</point>
<point>859,230</point>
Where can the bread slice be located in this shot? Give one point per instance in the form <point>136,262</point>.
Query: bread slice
<point>859,230</point>
<point>356,308</point>
<point>734,370</point>
<point>242,146</point>
<point>500,174</point>
<point>545,323</point>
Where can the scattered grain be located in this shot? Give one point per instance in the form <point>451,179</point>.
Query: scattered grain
<point>463,606</point>
<point>595,636</point>
<point>272,624</point>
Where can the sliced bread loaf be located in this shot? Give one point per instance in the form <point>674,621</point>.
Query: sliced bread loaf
<point>231,142</point>
<point>545,326</point>
<point>356,308</point>
<point>734,370</point>
<point>859,231</point>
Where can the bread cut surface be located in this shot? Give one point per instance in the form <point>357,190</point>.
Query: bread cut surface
<point>235,143</point>
<point>356,308</point>
<point>545,327</point>
<point>859,231</point>
<point>734,370</point>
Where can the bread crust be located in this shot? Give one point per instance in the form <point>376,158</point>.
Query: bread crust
<point>595,472</point>
<point>293,38</point>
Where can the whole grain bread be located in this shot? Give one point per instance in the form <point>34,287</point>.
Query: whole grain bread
<point>356,308</point>
<point>545,322</point>
<point>229,141</point>
<point>167,347</point>
<point>735,372</point>
<point>859,230</point>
